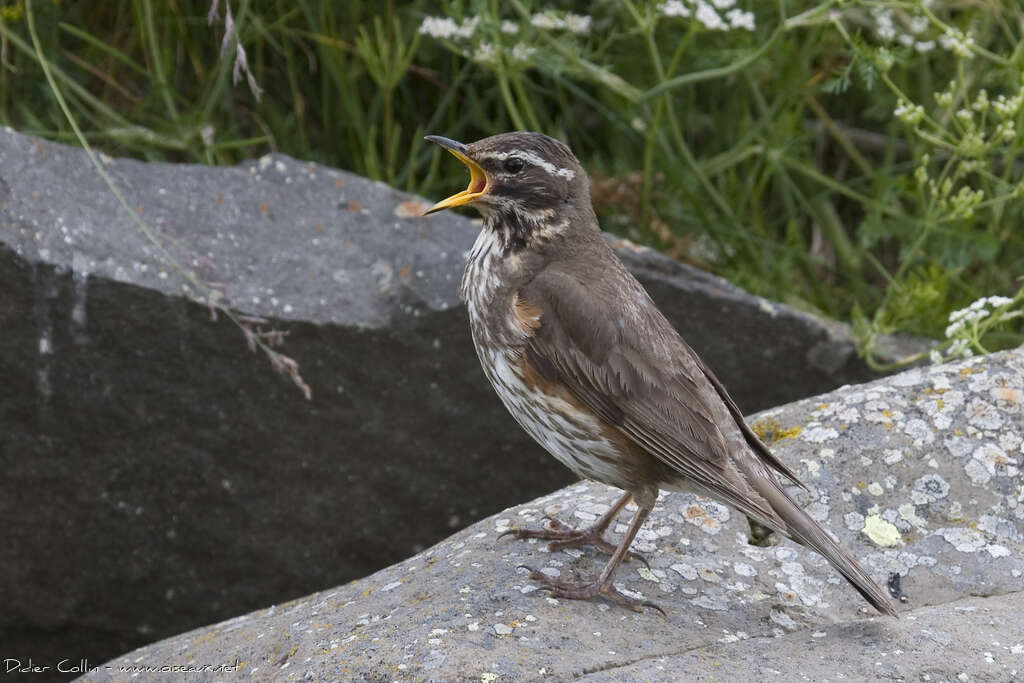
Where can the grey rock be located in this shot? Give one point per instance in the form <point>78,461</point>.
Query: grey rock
<point>918,474</point>
<point>149,454</point>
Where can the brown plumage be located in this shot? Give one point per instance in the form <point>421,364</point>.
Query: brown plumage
<point>593,371</point>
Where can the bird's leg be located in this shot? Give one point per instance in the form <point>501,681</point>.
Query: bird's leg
<point>583,590</point>
<point>560,536</point>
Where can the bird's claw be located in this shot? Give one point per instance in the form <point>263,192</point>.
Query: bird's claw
<point>588,590</point>
<point>561,536</point>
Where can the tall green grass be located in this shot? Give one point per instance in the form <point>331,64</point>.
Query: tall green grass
<point>791,158</point>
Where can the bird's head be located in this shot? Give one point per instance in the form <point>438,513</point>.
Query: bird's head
<point>525,184</point>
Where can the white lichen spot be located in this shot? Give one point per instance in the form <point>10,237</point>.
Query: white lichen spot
<point>717,603</point>
<point>875,489</point>
<point>767,307</point>
<point>585,516</point>
<point>990,461</point>
<point>687,571</point>
<point>733,637</point>
<point>792,568</point>
<point>819,434</point>
<point>709,574</point>
<point>964,540</point>
<point>909,512</point>
<point>784,554</point>
<point>998,526</point>
<point>818,511</point>
<point>928,489</point>
<point>803,588</point>
<point>782,619</point>
<point>892,456</point>
<point>475,626</point>
<point>1010,441</point>
<point>744,569</point>
<point>488,677</point>
<point>647,575</point>
<point>391,586</point>
<point>813,467</point>
<point>503,629</point>
<point>854,521</point>
<point>907,379</point>
<point>593,508</point>
<point>848,415</point>
<point>880,531</point>
<point>918,430</point>
<point>983,415</point>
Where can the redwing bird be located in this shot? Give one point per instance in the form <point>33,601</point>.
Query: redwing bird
<point>591,369</point>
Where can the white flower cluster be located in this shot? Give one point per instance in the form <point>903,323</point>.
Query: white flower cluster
<point>960,320</point>
<point>716,15</point>
<point>485,53</point>
<point>1008,107</point>
<point>910,114</point>
<point>447,28</point>
<point>958,42</point>
<point>522,52</point>
<point>551,21</point>
<point>914,31</point>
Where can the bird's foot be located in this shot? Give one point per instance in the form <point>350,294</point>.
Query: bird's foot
<point>560,536</point>
<point>586,590</point>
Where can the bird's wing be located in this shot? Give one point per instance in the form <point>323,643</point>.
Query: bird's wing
<point>753,440</point>
<point>632,372</point>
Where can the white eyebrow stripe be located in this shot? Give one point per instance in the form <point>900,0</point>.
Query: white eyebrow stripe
<point>531,157</point>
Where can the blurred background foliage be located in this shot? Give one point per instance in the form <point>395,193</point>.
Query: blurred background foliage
<point>858,159</point>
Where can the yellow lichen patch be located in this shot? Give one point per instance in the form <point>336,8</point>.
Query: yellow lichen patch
<point>821,406</point>
<point>964,372</point>
<point>770,431</point>
<point>940,404</point>
<point>881,532</point>
<point>764,427</point>
<point>790,433</point>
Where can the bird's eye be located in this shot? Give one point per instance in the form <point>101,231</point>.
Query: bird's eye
<point>514,164</point>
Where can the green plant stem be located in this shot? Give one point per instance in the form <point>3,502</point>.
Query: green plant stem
<point>144,9</point>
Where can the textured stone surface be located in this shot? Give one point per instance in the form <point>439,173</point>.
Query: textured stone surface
<point>146,452</point>
<point>933,453</point>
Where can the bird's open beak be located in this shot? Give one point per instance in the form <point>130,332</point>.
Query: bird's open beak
<point>477,177</point>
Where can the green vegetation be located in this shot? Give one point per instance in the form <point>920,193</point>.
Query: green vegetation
<point>861,159</point>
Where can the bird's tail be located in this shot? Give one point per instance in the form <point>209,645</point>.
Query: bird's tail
<point>803,529</point>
